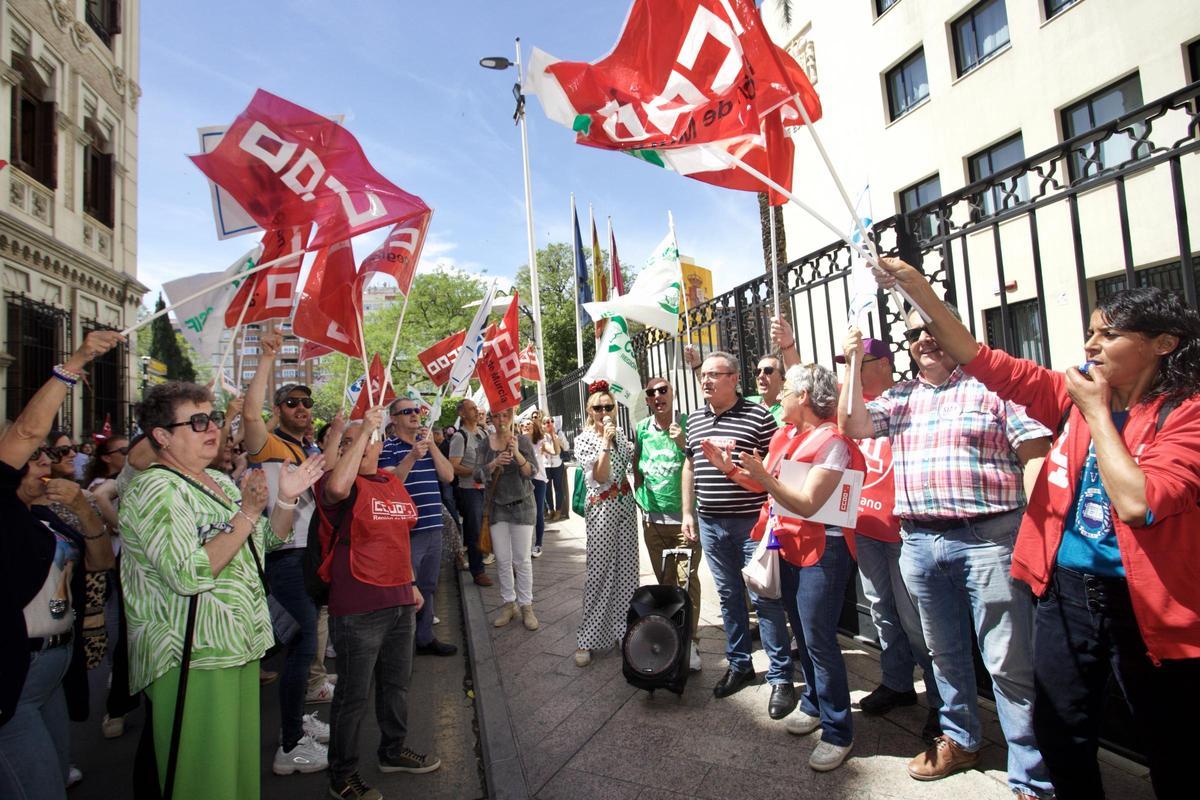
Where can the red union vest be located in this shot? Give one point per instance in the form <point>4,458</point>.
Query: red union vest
<point>802,543</point>
<point>877,504</point>
<point>380,521</point>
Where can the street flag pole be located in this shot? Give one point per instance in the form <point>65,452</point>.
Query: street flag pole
<point>774,258</point>
<point>534,284</point>
<point>575,271</point>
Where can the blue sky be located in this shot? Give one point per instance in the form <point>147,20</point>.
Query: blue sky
<point>406,76</point>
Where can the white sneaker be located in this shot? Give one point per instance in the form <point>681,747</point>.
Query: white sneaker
<point>323,694</point>
<point>537,551</point>
<point>112,727</point>
<point>306,756</point>
<point>330,652</point>
<point>826,756</point>
<point>313,727</point>
<point>74,776</point>
<point>490,558</point>
<point>437,621</point>
<point>802,724</point>
<point>695,664</point>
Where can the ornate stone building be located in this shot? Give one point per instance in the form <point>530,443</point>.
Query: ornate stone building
<point>68,199</point>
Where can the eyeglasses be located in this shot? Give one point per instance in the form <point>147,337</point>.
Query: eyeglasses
<point>712,376</point>
<point>406,412</point>
<point>42,451</point>
<point>912,334</point>
<point>199,422</point>
<point>658,391</point>
<point>603,407</point>
<point>122,450</point>
<point>57,454</point>
<point>765,371</point>
<point>292,402</point>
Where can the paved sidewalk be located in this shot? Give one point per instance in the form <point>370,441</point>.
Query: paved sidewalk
<point>585,733</point>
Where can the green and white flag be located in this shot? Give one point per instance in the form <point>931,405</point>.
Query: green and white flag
<point>616,364</point>
<point>654,297</point>
<point>202,320</point>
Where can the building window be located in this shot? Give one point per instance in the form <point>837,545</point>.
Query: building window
<point>1104,106</point>
<point>1193,57</point>
<point>98,176</point>
<point>998,157</point>
<point>1053,7</point>
<point>979,33</point>
<point>249,351</point>
<point>104,17</point>
<point>38,338</point>
<point>104,391</point>
<point>883,5</point>
<point>918,195</point>
<point>907,84</point>
<point>33,130</point>
<point>1024,330</point>
<point>1164,276</point>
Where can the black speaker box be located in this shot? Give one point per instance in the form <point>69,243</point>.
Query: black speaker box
<point>657,640</point>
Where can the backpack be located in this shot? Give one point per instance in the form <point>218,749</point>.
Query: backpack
<point>316,587</point>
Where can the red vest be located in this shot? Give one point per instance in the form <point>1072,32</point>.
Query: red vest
<point>877,505</point>
<point>380,521</point>
<point>801,542</point>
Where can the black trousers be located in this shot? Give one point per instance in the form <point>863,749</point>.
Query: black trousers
<point>1086,632</point>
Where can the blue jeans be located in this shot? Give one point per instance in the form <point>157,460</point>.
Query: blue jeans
<point>378,645</point>
<point>813,598</point>
<point>728,547</point>
<point>470,505</point>
<point>539,500</point>
<point>426,550</point>
<point>895,616</point>
<point>959,577</point>
<point>285,574</point>
<point>557,490</point>
<point>34,742</point>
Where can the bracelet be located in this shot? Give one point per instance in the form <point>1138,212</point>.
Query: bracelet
<point>791,346</point>
<point>248,518</point>
<point>65,375</point>
<point>731,471</point>
<point>287,506</point>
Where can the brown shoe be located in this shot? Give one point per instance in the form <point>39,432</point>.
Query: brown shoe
<point>482,580</point>
<point>943,758</point>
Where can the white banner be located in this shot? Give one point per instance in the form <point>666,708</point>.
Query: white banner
<point>654,297</point>
<point>202,320</point>
<point>616,364</point>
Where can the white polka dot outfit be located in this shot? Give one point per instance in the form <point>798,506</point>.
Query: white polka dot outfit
<point>612,546</point>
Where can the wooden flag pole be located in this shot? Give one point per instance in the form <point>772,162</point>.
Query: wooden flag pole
<point>228,348</point>
<point>387,372</point>
<point>774,257</point>
<point>362,343</point>
<point>345,385</point>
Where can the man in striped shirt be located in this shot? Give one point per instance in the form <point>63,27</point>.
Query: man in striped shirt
<point>410,454</point>
<point>720,509</point>
<point>958,452</point>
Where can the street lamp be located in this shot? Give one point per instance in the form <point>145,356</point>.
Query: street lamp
<point>502,63</point>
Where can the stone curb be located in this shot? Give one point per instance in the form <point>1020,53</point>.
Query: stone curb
<point>498,743</point>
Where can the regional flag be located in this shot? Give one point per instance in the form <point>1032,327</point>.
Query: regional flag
<point>599,276</point>
<point>201,319</point>
<point>583,289</point>
<point>614,263</point>
<point>654,297</point>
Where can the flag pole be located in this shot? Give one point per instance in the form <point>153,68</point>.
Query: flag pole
<point>239,276</point>
<point>575,272</point>
<point>687,322</point>
<point>345,385</point>
<point>387,372</point>
<point>534,283</point>
<point>734,161</point>
<point>774,256</point>
<point>232,339</point>
<point>362,343</point>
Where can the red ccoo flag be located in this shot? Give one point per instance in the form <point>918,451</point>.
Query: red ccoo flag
<point>439,358</point>
<point>499,368</point>
<point>273,291</point>
<point>530,370</point>
<point>375,376</point>
<point>399,253</point>
<point>312,322</point>
<point>290,167</point>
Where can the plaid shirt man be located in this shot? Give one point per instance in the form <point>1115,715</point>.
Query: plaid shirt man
<point>953,447</point>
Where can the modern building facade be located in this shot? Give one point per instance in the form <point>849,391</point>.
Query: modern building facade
<point>923,98</point>
<point>68,206</point>
<point>288,366</point>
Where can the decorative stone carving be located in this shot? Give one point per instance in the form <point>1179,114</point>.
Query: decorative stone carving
<point>81,35</point>
<point>135,93</point>
<point>9,75</point>
<point>16,193</point>
<point>804,51</point>
<point>119,80</point>
<point>62,13</point>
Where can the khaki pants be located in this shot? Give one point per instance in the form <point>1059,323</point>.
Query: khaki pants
<point>316,672</point>
<point>660,537</point>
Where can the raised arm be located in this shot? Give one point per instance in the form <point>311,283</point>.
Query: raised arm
<point>254,435</point>
<point>341,478</point>
<point>853,418</point>
<point>785,340</point>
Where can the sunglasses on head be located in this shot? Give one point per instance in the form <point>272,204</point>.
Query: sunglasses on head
<point>658,391</point>
<point>405,412</point>
<point>912,334</point>
<point>292,402</point>
<point>199,422</point>
<point>765,371</point>
<point>604,407</point>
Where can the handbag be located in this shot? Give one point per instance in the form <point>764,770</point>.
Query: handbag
<point>761,572</point>
<point>485,526</point>
<point>579,493</point>
<point>283,624</point>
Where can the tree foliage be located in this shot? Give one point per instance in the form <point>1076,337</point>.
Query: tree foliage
<point>165,346</point>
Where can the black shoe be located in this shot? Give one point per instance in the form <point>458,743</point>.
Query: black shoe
<point>436,648</point>
<point>933,726</point>
<point>733,681</point>
<point>883,700</point>
<point>783,700</point>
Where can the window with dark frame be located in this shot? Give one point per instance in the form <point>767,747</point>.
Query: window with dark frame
<point>1165,276</point>
<point>103,392</point>
<point>98,179</point>
<point>883,5</point>
<point>1106,105</point>
<point>38,337</point>
<point>918,195</point>
<point>1000,156</point>
<point>33,132</point>
<point>104,17</point>
<point>1193,58</point>
<point>907,84</point>
<point>1024,330</point>
<point>1053,7</point>
<point>978,34</point>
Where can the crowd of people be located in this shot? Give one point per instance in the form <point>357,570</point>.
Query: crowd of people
<point>1046,519</point>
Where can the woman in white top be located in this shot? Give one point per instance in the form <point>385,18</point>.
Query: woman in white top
<point>532,428</point>
<point>551,451</point>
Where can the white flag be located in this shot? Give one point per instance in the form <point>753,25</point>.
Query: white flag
<point>203,319</point>
<point>464,367</point>
<point>654,297</point>
<point>616,364</point>
<point>863,287</point>
<point>354,389</point>
<point>412,394</point>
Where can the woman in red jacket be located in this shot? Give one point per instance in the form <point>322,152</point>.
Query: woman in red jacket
<point>1109,543</point>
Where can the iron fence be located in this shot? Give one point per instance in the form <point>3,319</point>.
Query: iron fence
<point>38,337</point>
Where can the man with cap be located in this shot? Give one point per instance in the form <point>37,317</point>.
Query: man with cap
<point>273,451</point>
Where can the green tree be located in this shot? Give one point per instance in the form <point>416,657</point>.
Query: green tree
<point>164,346</point>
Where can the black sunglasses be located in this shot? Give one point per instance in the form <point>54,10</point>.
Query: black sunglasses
<point>199,422</point>
<point>912,334</point>
<point>658,391</point>
<point>765,371</point>
<point>292,402</point>
<point>605,407</point>
<point>122,450</point>
<point>406,412</point>
<point>43,451</point>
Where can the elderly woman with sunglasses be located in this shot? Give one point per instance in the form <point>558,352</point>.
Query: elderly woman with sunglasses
<point>612,535</point>
<point>191,537</point>
<point>42,562</point>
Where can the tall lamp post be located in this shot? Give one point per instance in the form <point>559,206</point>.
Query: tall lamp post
<point>501,63</point>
